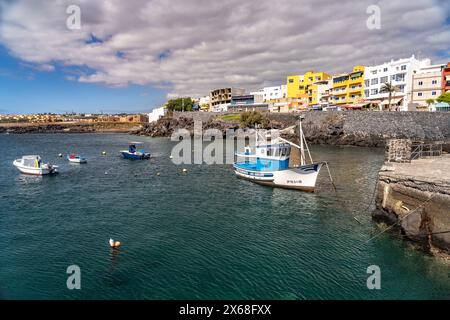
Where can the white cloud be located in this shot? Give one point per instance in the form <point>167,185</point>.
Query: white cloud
<point>193,46</point>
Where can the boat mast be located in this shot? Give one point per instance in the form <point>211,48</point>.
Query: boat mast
<point>302,147</point>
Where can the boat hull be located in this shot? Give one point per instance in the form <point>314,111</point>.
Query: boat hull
<point>302,178</point>
<point>35,171</point>
<point>77,160</point>
<point>135,156</point>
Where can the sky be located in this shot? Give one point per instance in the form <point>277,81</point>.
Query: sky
<point>130,56</point>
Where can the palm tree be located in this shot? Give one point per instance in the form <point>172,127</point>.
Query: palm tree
<point>429,101</point>
<point>391,89</point>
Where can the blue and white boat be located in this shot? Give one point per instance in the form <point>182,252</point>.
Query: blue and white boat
<point>269,165</point>
<point>134,153</point>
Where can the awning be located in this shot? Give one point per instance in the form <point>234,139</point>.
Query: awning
<point>394,101</point>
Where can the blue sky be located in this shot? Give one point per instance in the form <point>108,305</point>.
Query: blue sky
<point>130,56</point>
<point>26,89</point>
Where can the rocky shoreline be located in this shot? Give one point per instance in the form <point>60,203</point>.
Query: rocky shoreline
<point>365,129</point>
<point>69,128</point>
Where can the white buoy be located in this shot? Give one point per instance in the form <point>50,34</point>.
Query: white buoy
<point>60,155</point>
<point>158,174</point>
<point>185,171</point>
<point>171,157</point>
<point>104,153</point>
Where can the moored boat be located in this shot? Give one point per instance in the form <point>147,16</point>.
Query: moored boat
<point>134,153</point>
<point>75,158</point>
<point>33,165</point>
<point>269,165</point>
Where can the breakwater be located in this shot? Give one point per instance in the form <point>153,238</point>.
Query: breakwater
<point>413,196</point>
<point>369,129</point>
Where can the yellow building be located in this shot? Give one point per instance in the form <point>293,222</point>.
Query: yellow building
<point>348,89</point>
<point>302,86</point>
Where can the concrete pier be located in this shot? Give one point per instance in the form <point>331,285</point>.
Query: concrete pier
<point>415,196</point>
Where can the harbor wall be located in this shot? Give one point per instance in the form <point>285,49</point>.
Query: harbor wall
<point>414,198</point>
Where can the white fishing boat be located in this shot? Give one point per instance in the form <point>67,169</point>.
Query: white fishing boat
<point>269,164</point>
<point>75,158</point>
<point>33,165</point>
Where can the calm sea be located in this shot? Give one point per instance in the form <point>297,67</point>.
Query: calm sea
<point>200,235</point>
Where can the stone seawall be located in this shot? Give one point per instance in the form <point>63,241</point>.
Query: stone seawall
<point>415,198</point>
<point>358,128</point>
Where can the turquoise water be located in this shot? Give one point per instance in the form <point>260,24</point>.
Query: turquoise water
<point>200,235</point>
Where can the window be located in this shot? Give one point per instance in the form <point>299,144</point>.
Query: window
<point>385,69</point>
<point>374,72</point>
<point>367,83</point>
<point>401,88</point>
<point>366,92</point>
<point>419,94</point>
<point>374,81</point>
<point>420,83</point>
<point>433,93</point>
<point>383,79</point>
<point>374,91</point>
<point>400,77</point>
<point>434,82</point>
<point>403,67</point>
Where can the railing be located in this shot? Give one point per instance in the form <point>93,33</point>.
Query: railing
<point>420,151</point>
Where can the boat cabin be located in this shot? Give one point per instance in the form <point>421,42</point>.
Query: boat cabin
<point>32,161</point>
<point>273,157</point>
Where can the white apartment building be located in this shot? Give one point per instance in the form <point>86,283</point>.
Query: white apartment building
<point>427,84</point>
<point>204,103</point>
<point>272,93</point>
<point>324,89</point>
<point>400,74</point>
<point>156,114</point>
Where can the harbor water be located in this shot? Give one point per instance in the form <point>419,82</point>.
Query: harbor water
<point>203,234</point>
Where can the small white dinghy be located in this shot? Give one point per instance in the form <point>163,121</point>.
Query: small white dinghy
<point>75,158</point>
<point>33,165</point>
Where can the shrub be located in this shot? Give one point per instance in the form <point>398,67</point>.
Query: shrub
<point>251,118</point>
